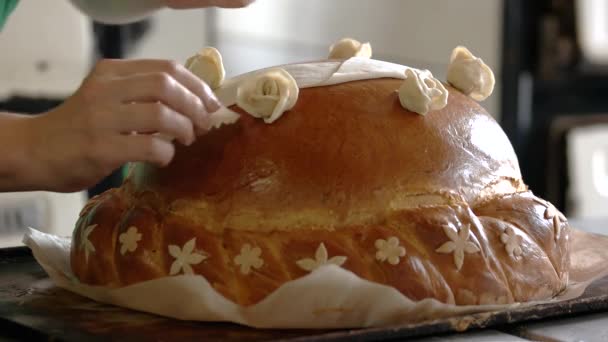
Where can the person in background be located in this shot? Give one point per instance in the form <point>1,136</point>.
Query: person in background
<point>73,146</point>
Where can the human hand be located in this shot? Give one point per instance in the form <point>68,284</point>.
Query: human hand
<point>108,122</point>
<point>188,4</point>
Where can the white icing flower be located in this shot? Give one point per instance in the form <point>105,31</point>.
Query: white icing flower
<point>470,74</point>
<point>420,92</point>
<point>268,95</point>
<point>512,242</point>
<point>249,257</point>
<point>128,240</point>
<point>184,257</point>
<point>458,245</point>
<point>85,243</point>
<point>347,48</point>
<point>208,66</point>
<point>320,260</point>
<point>389,250</point>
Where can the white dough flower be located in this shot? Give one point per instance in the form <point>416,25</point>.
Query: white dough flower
<point>207,65</point>
<point>348,47</point>
<point>249,257</point>
<point>458,245</point>
<point>389,250</point>
<point>321,258</point>
<point>128,240</point>
<point>85,243</point>
<point>420,92</point>
<point>184,257</point>
<point>512,242</point>
<point>551,213</point>
<point>223,116</point>
<point>470,74</point>
<point>268,95</point>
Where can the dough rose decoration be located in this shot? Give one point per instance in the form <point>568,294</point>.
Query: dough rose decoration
<point>470,74</point>
<point>420,92</point>
<point>268,95</point>
<point>348,47</point>
<point>208,66</point>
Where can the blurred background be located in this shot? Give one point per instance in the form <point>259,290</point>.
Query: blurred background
<point>550,58</point>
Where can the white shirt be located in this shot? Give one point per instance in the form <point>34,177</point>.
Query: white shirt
<point>118,11</point>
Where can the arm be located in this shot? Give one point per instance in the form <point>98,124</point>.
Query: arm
<point>125,11</point>
<point>118,11</point>
<point>16,172</point>
<point>105,124</point>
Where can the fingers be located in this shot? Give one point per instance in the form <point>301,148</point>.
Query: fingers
<point>160,87</point>
<point>184,4</point>
<point>154,117</point>
<point>142,148</point>
<point>124,68</point>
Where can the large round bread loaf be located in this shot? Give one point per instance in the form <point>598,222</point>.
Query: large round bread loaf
<point>432,205</point>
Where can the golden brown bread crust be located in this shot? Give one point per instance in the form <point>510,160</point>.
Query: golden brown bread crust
<point>346,168</point>
<point>345,154</point>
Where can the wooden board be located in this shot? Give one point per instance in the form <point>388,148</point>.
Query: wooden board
<point>31,307</point>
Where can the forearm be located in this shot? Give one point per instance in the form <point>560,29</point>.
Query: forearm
<point>118,11</point>
<point>126,11</point>
<point>17,169</point>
